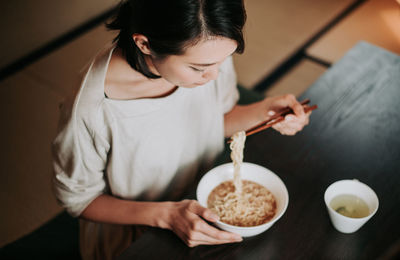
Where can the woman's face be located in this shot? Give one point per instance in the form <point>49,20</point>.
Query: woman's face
<point>198,65</point>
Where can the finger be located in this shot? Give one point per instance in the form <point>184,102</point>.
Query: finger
<point>219,235</point>
<point>291,129</point>
<point>297,108</point>
<point>278,127</point>
<point>308,114</point>
<point>203,212</point>
<point>287,132</point>
<point>291,101</point>
<point>296,125</point>
<point>208,241</point>
<point>204,239</point>
<point>307,120</point>
<point>292,124</point>
<point>291,132</point>
<point>199,225</point>
<point>292,119</point>
<point>211,242</point>
<point>295,105</point>
<point>203,233</point>
<point>271,113</point>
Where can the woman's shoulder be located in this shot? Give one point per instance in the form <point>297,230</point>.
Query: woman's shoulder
<point>86,102</point>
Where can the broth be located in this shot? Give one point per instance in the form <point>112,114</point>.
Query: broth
<point>350,206</point>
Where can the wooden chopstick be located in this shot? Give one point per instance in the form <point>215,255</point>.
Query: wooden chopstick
<point>283,112</point>
<point>277,120</point>
<point>278,117</point>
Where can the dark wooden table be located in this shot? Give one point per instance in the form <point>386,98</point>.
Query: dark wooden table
<point>355,133</point>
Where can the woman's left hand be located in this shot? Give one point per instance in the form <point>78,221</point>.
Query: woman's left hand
<point>293,123</point>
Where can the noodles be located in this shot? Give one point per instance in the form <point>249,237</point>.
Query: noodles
<point>241,202</point>
<point>237,147</point>
<point>254,207</point>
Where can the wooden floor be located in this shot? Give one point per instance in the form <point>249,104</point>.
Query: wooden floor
<point>280,36</point>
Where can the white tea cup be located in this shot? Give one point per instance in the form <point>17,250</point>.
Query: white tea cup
<point>361,191</point>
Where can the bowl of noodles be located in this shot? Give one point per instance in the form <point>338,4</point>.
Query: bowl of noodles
<point>248,198</point>
<point>263,200</point>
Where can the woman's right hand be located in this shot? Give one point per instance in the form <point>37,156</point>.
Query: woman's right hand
<point>188,218</point>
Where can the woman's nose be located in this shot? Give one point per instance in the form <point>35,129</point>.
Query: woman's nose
<point>211,74</point>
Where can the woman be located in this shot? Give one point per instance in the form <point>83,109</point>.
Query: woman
<point>151,112</point>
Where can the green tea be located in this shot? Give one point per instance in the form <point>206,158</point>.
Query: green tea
<point>350,206</point>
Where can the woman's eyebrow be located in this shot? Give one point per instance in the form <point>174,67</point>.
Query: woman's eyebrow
<point>203,64</point>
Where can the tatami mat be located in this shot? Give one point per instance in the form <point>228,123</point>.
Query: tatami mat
<point>28,25</point>
<point>62,68</point>
<point>275,30</point>
<point>298,79</point>
<point>29,113</point>
<point>376,21</point>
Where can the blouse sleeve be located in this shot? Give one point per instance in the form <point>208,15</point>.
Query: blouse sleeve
<point>228,93</point>
<point>79,159</point>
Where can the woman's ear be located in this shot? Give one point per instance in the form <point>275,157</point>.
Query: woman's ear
<point>142,43</point>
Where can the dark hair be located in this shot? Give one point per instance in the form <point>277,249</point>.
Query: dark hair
<point>172,26</point>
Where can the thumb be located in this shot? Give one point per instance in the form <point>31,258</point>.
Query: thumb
<point>203,212</point>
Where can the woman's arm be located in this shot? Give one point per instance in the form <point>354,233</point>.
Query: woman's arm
<point>186,218</point>
<point>243,117</point>
<point>109,209</point>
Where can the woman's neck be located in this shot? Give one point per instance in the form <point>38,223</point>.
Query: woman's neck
<point>123,82</point>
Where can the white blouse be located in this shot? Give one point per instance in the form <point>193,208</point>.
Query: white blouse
<point>141,149</point>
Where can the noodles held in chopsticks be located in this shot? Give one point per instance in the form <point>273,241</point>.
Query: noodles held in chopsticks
<point>237,147</point>
<point>241,202</point>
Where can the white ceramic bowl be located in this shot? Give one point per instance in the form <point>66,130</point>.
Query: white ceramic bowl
<point>354,187</point>
<point>252,172</point>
